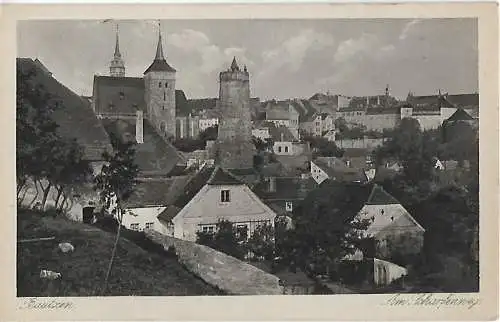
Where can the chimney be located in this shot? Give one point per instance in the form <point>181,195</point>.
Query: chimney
<point>139,127</point>
<point>348,163</point>
<point>367,101</point>
<point>272,184</point>
<point>378,99</point>
<point>282,136</point>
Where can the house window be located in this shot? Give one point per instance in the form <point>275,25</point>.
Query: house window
<point>159,84</point>
<point>286,149</point>
<point>279,149</point>
<point>224,196</point>
<point>166,85</point>
<point>209,229</point>
<point>289,206</point>
<point>134,226</point>
<point>149,225</point>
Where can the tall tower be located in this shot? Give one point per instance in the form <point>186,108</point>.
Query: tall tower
<point>235,149</point>
<point>117,66</point>
<point>159,82</point>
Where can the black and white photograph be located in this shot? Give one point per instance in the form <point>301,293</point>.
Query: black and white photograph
<point>223,157</point>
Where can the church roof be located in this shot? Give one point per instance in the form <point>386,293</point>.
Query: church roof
<point>159,66</point>
<point>75,117</point>
<point>124,95</point>
<point>159,63</point>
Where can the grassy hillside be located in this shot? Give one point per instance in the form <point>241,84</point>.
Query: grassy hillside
<point>135,272</point>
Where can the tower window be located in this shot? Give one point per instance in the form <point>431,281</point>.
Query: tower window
<point>166,84</point>
<point>122,95</point>
<point>164,96</point>
<point>159,84</point>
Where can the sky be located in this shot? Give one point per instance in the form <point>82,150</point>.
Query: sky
<point>285,58</point>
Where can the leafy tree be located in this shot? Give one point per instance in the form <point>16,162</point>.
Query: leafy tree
<point>326,227</point>
<point>322,147</point>
<point>261,243</point>
<point>225,239</point>
<point>413,148</point>
<point>35,129</point>
<point>116,183</point>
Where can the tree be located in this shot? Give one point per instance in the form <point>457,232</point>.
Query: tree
<point>225,239</point>
<point>116,183</point>
<point>36,131</point>
<point>327,227</point>
<point>209,134</point>
<point>261,243</point>
<point>413,148</point>
<point>322,147</point>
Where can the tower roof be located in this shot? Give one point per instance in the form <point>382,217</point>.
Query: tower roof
<point>234,65</point>
<point>159,63</point>
<point>117,46</point>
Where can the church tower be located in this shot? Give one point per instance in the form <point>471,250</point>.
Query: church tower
<point>234,149</point>
<point>159,84</point>
<point>117,66</point>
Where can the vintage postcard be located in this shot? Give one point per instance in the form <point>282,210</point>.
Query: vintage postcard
<point>262,162</point>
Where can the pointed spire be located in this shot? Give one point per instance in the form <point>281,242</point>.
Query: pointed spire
<point>159,47</point>
<point>234,65</point>
<point>117,44</point>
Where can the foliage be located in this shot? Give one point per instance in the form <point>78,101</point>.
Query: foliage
<point>413,148</point>
<point>41,154</point>
<point>117,179</point>
<point>261,243</point>
<point>115,184</point>
<point>323,147</point>
<point>326,228</point>
<point>224,239</point>
<point>262,145</point>
<point>199,143</point>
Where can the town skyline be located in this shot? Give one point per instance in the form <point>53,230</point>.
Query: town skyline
<point>299,58</point>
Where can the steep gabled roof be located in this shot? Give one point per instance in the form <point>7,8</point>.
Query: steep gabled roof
<point>286,189</point>
<point>155,156</point>
<point>221,176</point>
<point>156,192</point>
<point>460,115</point>
<point>379,196</point>
<point>75,118</point>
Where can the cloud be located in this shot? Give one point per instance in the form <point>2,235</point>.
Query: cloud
<point>213,57</point>
<point>293,51</point>
<point>352,48</point>
<point>407,28</point>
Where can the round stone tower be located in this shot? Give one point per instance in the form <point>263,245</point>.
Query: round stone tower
<point>159,84</point>
<point>235,149</point>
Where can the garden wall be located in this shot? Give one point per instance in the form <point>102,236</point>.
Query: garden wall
<point>218,269</point>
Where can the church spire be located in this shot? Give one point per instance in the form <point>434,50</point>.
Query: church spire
<point>159,46</point>
<point>117,66</point>
<point>159,63</point>
<point>117,44</point>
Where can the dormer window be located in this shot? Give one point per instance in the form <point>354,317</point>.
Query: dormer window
<point>122,95</point>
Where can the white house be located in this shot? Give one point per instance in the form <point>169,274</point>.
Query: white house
<point>150,198</point>
<point>214,194</point>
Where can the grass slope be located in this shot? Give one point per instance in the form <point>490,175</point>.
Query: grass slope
<point>135,271</point>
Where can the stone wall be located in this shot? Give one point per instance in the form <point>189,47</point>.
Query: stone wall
<point>223,271</point>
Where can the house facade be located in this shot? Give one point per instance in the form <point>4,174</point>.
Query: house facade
<point>212,195</point>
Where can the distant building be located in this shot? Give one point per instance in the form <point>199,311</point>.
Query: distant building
<point>283,113</point>
<point>336,169</point>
